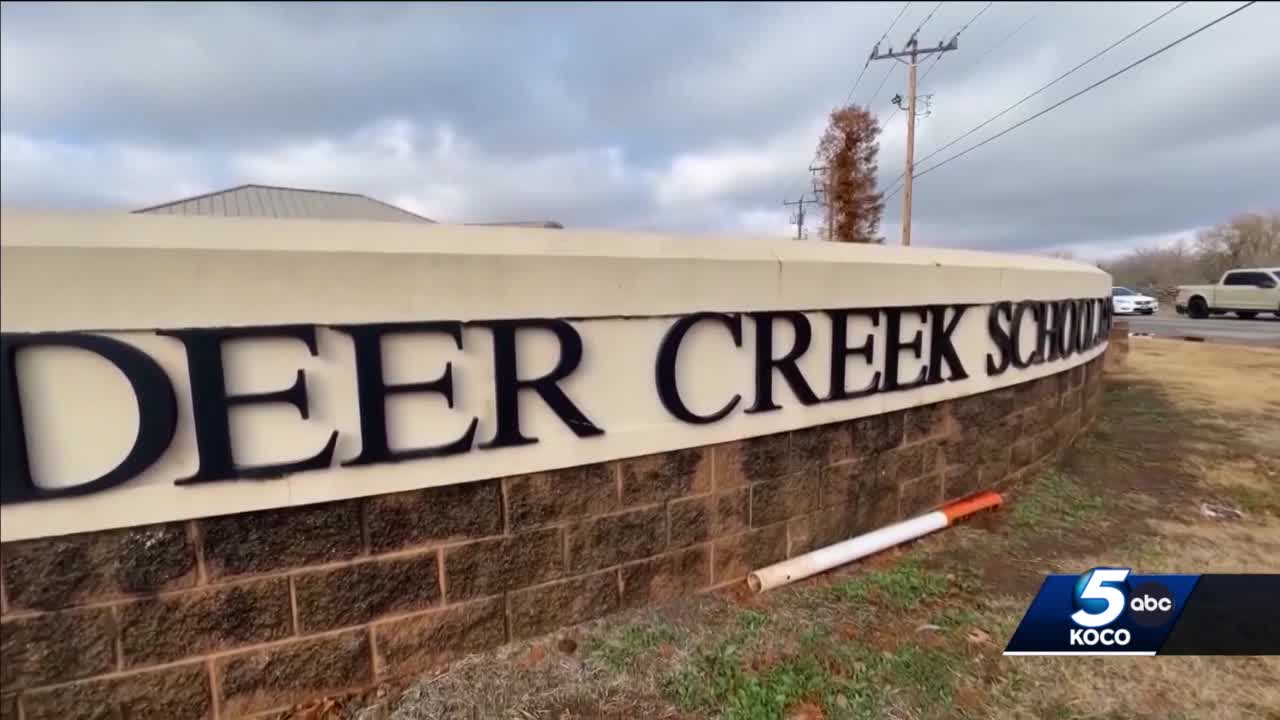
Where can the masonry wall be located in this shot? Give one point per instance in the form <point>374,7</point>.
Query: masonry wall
<point>245,614</point>
<point>623,296</point>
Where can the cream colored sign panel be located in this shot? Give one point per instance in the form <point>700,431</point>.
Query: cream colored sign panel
<point>231,365</point>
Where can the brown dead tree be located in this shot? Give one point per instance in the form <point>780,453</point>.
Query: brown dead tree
<point>847,155</point>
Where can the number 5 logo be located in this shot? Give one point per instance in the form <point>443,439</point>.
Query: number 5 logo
<point>1096,592</point>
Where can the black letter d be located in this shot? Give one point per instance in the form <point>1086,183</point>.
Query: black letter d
<point>157,414</point>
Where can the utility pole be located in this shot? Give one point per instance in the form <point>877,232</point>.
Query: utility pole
<point>798,218</point>
<point>913,53</point>
<point>822,192</point>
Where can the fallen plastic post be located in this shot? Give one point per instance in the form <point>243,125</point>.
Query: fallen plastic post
<point>823,559</point>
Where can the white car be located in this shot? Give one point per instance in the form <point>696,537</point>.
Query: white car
<point>1127,302</point>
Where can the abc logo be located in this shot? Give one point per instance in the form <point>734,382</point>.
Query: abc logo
<point>1146,603</point>
<point>1151,604</point>
<point>1102,595</point>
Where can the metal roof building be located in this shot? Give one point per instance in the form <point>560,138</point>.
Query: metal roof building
<point>549,224</point>
<point>269,201</point>
<point>283,202</point>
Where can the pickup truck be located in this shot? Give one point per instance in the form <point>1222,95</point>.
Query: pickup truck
<point>1245,292</point>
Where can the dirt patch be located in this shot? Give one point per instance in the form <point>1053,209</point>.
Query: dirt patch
<point>742,596</point>
<point>533,658</point>
<point>806,711</point>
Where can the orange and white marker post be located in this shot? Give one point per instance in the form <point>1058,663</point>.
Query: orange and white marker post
<point>812,563</point>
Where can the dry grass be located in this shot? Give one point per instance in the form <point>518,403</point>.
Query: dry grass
<point>1227,447</point>
<point>1166,687</point>
<point>918,632</point>
<point>1221,379</point>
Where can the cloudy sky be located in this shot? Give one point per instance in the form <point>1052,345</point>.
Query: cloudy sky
<point>695,118</point>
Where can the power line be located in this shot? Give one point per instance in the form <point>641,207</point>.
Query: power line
<point>964,27</point>
<point>1054,81</point>
<point>883,80</point>
<point>1006,38</point>
<point>867,64</point>
<point>974,19</point>
<point>889,72</point>
<point>984,55</point>
<point>938,58</point>
<point>911,54</point>
<point>897,189</point>
<point>995,117</point>
<point>798,218</point>
<point>926,19</point>
<point>1077,94</point>
<point>929,69</point>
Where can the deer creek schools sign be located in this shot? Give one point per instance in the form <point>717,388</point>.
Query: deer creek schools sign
<point>861,353</point>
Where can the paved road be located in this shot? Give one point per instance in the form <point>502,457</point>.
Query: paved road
<point>1266,330</point>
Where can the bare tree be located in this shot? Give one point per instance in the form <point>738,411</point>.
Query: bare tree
<point>847,152</point>
<point>1250,240</point>
<point>1157,267</point>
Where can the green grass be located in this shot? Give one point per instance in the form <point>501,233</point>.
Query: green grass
<point>1054,502</point>
<point>713,676</point>
<point>849,680</point>
<point>901,587</point>
<point>752,621</point>
<point>769,694</point>
<point>616,651</point>
<point>926,673</point>
<point>953,618</point>
<point>846,680</point>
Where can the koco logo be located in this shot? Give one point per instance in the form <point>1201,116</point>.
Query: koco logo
<point>1107,636</point>
<point>1103,595</point>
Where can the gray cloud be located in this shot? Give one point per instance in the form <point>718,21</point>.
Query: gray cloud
<point>686,117</point>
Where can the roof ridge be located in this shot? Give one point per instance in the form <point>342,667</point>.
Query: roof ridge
<point>299,189</point>
<point>548,224</point>
<point>201,196</point>
<point>283,188</point>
